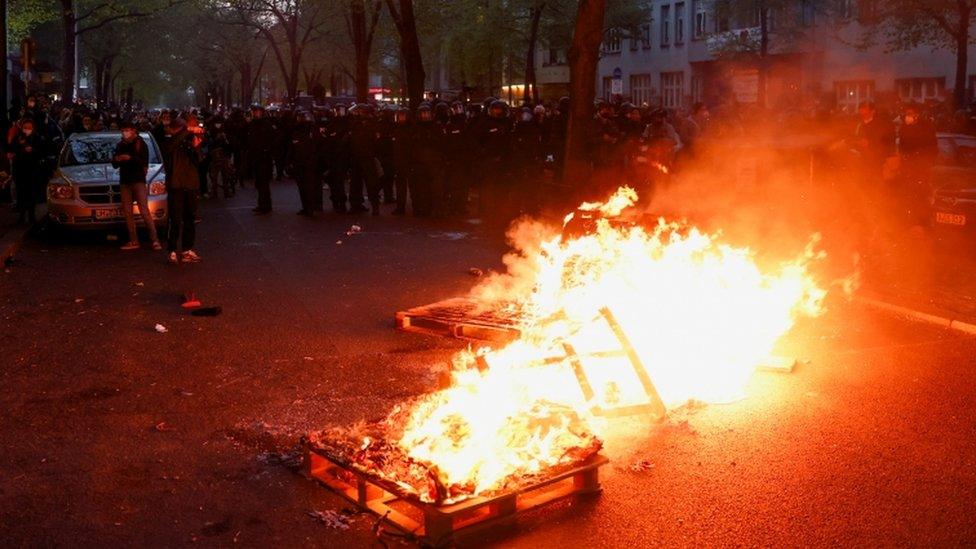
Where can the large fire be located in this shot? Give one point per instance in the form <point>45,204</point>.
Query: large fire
<point>601,309</point>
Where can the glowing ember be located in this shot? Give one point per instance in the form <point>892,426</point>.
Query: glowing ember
<point>699,316</point>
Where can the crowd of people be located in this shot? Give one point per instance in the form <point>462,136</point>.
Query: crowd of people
<point>426,161</point>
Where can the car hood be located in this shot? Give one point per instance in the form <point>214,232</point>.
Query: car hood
<point>95,174</point>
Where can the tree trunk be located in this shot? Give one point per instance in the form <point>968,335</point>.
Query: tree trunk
<point>584,55</point>
<point>409,49</point>
<point>530,94</point>
<point>962,57</point>
<point>68,50</point>
<point>4,74</point>
<point>361,47</point>
<point>247,87</point>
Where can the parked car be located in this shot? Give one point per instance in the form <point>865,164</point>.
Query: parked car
<point>84,191</point>
<point>954,183</point>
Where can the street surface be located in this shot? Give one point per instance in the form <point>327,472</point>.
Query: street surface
<point>116,435</point>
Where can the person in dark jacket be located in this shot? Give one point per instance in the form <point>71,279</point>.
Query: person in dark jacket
<point>305,162</point>
<point>261,142</point>
<point>364,173</point>
<point>131,158</point>
<point>26,154</point>
<point>183,188</point>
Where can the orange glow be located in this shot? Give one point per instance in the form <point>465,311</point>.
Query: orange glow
<point>700,315</point>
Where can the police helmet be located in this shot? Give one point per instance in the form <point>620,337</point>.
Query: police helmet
<point>498,109</point>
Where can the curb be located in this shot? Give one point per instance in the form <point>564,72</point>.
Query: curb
<point>919,316</point>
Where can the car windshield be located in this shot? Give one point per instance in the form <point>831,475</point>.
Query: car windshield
<point>97,149</point>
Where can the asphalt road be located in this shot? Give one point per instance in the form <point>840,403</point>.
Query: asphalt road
<point>116,435</point>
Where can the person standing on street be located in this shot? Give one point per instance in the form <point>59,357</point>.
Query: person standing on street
<point>131,158</point>
<point>304,162</point>
<point>183,188</point>
<point>26,156</point>
<point>261,142</point>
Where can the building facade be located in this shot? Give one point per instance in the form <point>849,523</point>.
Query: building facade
<point>682,56</point>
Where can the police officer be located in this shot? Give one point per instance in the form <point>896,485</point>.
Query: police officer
<point>304,154</point>
<point>428,190</point>
<point>364,168</point>
<point>494,140</point>
<point>337,157</point>
<point>401,145</point>
<point>526,159</point>
<point>384,153</point>
<point>457,160</point>
<point>219,152</point>
<point>261,141</point>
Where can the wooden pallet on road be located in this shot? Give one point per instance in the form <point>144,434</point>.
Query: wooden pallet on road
<point>441,525</point>
<point>463,318</point>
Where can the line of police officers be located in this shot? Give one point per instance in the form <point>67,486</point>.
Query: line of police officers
<point>427,159</point>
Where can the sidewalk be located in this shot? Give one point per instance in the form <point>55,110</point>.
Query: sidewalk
<point>928,280</point>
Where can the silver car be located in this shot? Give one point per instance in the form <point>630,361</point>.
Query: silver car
<point>84,190</point>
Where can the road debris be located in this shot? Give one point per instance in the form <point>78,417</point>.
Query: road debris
<point>162,427</point>
<point>333,520</point>
<point>641,466</point>
<point>355,229</point>
<point>474,271</point>
<point>161,329</point>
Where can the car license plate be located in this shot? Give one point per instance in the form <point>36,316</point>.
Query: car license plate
<point>950,219</point>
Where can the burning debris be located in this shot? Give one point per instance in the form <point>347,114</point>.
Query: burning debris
<point>609,314</point>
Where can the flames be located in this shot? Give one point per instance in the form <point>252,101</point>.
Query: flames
<point>690,313</point>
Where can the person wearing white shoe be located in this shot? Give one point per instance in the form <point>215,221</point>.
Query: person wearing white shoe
<point>131,158</point>
<point>181,160</point>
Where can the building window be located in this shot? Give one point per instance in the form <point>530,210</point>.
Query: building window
<point>697,88</point>
<point>612,43</point>
<point>679,23</point>
<point>666,25</point>
<point>645,31</point>
<point>919,89</point>
<point>850,94</point>
<point>635,37</point>
<point>701,20</point>
<point>640,89</point>
<point>607,88</point>
<point>672,89</point>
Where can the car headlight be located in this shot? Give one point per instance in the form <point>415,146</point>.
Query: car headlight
<point>157,188</point>
<point>61,191</point>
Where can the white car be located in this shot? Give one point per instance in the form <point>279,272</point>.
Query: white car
<point>84,190</point>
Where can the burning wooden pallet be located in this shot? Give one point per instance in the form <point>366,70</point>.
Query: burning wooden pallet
<point>440,525</point>
<point>463,318</point>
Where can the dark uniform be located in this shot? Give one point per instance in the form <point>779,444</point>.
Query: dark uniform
<point>401,145</point>
<point>304,161</point>
<point>527,161</point>
<point>458,149</point>
<point>495,144</point>
<point>428,187</point>
<point>363,170</point>
<point>261,141</point>
<point>384,153</point>
<point>337,157</point>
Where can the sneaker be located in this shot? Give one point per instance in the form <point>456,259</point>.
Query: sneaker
<point>190,256</point>
<point>156,245</point>
<point>173,258</point>
<point>130,246</point>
